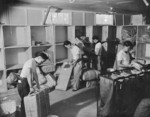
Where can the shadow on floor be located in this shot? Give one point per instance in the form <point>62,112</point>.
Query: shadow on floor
<point>77,104</point>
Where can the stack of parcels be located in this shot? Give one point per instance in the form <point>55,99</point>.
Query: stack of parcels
<point>48,65</point>
<point>37,104</point>
<point>47,80</point>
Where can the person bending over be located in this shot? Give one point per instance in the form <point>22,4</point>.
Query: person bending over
<point>76,62</point>
<point>124,59</point>
<point>28,78</point>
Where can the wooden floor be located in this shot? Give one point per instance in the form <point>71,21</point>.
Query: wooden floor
<point>81,103</point>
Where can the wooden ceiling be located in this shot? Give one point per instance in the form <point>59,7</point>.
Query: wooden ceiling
<point>104,6</point>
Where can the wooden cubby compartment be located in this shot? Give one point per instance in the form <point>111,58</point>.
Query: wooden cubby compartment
<point>97,31</point>
<point>35,16</point>
<point>143,42</point>
<point>143,51</point>
<point>14,16</point>
<point>129,33</point>
<point>15,36</point>
<point>127,20</point>
<point>143,33</point>
<point>140,52</point>
<point>16,57</point>
<point>17,71</point>
<point>61,53</point>
<point>78,18</point>
<point>61,34</point>
<point>118,19</point>
<point>40,34</point>
<point>80,31</point>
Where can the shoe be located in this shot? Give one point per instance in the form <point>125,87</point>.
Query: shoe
<point>74,89</point>
<point>52,116</point>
